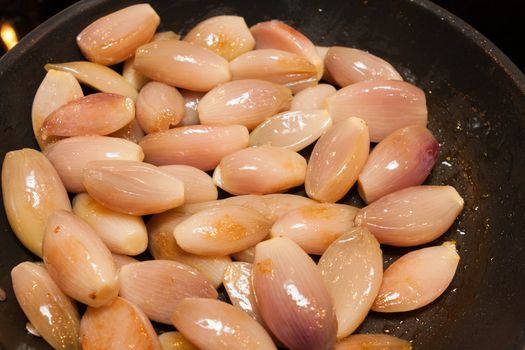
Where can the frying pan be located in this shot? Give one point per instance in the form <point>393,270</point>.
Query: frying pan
<point>476,103</point>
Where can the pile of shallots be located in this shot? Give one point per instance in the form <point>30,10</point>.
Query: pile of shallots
<point>242,102</point>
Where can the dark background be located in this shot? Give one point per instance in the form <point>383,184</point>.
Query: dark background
<point>502,22</point>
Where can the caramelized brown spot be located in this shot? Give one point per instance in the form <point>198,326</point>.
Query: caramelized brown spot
<point>162,240</point>
<point>93,295</point>
<point>317,212</point>
<point>227,228</point>
<point>57,229</point>
<point>85,343</point>
<point>265,266</point>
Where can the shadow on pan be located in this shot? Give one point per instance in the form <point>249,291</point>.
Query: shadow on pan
<point>476,101</point>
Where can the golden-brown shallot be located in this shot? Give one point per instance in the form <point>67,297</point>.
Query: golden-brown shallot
<point>97,114</point>
<point>221,231</point>
<point>78,261</point>
<point>417,278</point>
<point>315,227</point>
<point>292,297</point>
<point>312,98</point>
<point>260,170</point>
<point>280,67</point>
<point>271,206</point>
<point>121,233</point>
<point>175,341</point>
<point>246,255</point>
<point>245,102</point>
<point>352,268</point>
<point>348,66</point>
<point>294,130</point>
<point>121,260</point>
<point>166,35</point>
<point>411,216</point>
<point>278,35</point>
<point>31,191</point>
<point>337,160</point>
<point>135,78</point>
<point>49,310</point>
<point>120,325</point>
<point>403,159</point>
<point>97,76</point>
<point>182,65</point>
<point>191,104</point>
<point>322,51</point>
<point>201,146</point>
<point>373,341</point>
<point>213,324</point>
<point>70,156</point>
<point>237,281</point>
<point>162,245</point>
<point>115,37</point>
<point>131,132</point>
<point>57,89</point>
<point>198,186</point>
<point>157,286</point>
<point>385,105</point>
<point>132,187</point>
<point>227,36</point>
<point>159,106</point>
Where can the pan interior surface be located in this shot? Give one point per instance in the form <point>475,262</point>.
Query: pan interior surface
<point>476,104</point>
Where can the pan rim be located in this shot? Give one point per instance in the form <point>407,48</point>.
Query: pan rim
<point>488,47</point>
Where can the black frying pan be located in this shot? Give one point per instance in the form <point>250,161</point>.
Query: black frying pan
<point>476,100</point>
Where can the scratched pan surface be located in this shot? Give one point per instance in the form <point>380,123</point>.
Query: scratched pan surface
<point>476,101</point>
